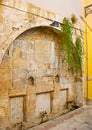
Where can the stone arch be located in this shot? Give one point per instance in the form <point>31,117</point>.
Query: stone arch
<point>17,32</point>
<point>16,68</point>
<point>50,37</point>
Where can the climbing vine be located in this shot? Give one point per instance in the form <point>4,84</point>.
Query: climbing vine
<point>72,52</point>
<point>78,54</point>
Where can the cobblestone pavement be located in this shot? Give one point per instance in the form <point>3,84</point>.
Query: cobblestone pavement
<point>79,119</point>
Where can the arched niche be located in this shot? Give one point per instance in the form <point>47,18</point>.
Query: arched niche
<point>31,80</point>
<point>57,78</point>
<point>35,51</point>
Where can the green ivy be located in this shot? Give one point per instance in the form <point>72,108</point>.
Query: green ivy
<point>78,52</point>
<point>72,52</point>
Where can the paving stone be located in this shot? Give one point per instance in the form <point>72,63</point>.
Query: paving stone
<point>80,119</point>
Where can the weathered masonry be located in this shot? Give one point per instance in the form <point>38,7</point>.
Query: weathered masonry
<point>35,85</point>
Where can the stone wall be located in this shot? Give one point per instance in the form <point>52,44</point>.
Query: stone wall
<point>35,83</point>
<point>18,16</point>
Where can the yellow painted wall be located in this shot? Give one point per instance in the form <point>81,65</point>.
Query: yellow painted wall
<point>87,50</point>
<point>89,63</point>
